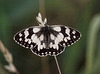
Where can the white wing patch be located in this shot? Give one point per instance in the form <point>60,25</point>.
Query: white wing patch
<point>67,31</point>
<point>73,32</point>
<point>57,28</point>
<point>42,37</point>
<point>52,36</point>
<point>20,34</point>
<point>26,33</point>
<point>65,39</point>
<point>35,30</point>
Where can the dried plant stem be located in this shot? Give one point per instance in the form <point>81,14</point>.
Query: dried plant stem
<point>44,61</point>
<point>42,10</point>
<point>45,65</point>
<point>42,7</point>
<point>57,64</point>
<point>8,57</point>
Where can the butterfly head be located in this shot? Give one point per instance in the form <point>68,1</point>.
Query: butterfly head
<point>40,21</point>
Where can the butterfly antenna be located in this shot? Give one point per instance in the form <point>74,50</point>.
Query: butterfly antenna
<point>57,64</point>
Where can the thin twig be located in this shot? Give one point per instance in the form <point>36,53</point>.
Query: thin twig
<point>57,64</point>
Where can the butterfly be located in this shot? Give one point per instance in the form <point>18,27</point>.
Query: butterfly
<point>46,40</point>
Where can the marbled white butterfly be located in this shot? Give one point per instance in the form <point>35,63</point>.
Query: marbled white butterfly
<point>46,40</point>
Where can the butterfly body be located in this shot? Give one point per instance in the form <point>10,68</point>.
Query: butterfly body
<point>46,40</point>
<point>46,33</point>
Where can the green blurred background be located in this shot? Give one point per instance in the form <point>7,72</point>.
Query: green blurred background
<point>81,58</point>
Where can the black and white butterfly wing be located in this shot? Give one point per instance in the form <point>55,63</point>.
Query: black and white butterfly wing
<point>62,36</point>
<point>28,38</point>
<point>67,35</point>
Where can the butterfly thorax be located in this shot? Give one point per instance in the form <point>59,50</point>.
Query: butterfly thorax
<point>46,32</point>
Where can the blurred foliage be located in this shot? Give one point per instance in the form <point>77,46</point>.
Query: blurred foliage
<point>81,58</point>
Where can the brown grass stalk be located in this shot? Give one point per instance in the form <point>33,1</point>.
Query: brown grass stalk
<point>8,57</point>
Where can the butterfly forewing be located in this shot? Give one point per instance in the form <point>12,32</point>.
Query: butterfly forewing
<point>48,40</point>
<point>28,37</point>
